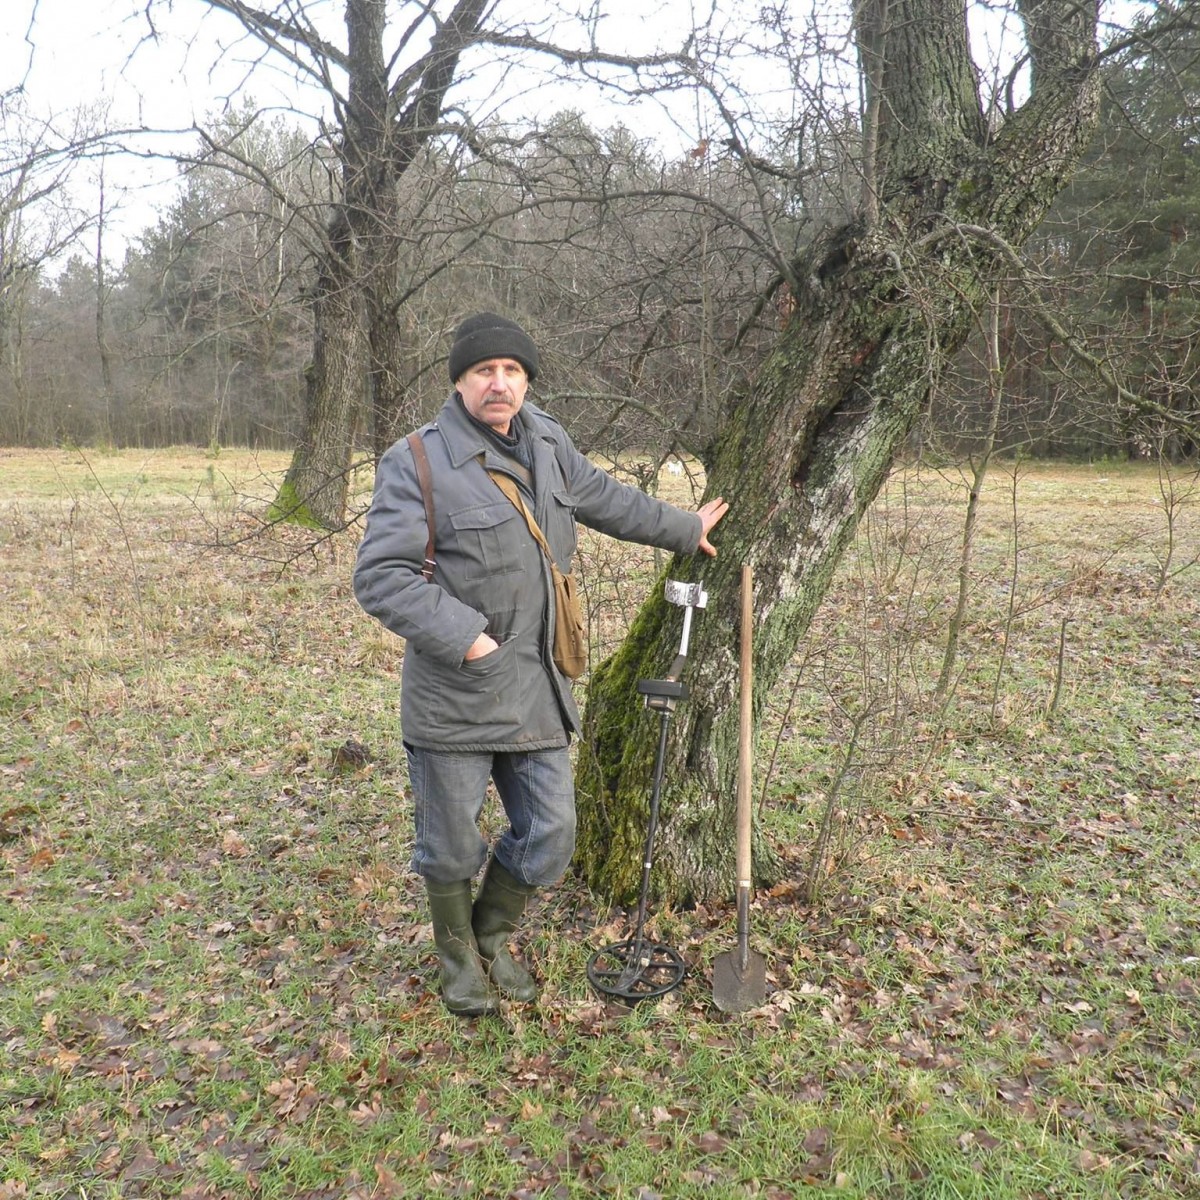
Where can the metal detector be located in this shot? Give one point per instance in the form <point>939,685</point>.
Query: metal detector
<point>636,969</point>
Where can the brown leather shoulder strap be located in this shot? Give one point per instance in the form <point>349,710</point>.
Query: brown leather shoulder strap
<point>421,462</point>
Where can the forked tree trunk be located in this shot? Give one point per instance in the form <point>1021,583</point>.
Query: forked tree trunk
<point>356,366</point>
<point>315,489</point>
<point>883,309</point>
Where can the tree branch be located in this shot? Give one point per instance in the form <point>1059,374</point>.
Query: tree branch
<point>274,31</point>
<point>1073,345</point>
<point>592,57</point>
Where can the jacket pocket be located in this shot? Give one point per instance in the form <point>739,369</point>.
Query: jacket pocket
<point>481,699</point>
<point>563,536</point>
<point>486,541</point>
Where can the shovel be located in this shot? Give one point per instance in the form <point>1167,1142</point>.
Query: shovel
<point>740,976</point>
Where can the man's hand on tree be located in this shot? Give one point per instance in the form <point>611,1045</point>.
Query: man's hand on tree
<point>710,514</point>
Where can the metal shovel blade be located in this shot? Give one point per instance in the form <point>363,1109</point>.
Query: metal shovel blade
<point>739,985</point>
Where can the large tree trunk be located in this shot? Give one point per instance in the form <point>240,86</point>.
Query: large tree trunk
<point>883,307</point>
<point>356,367</point>
<point>315,489</point>
<point>391,413</point>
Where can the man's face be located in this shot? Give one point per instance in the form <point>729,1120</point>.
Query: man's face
<point>493,391</point>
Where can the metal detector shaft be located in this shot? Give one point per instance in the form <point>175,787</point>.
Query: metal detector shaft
<point>681,658</point>
<point>634,965</point>
<point>635,970</point>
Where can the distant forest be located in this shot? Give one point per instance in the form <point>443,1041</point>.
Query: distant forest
<point>641,276</point>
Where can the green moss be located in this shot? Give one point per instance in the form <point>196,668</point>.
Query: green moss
<point>287,506</point>
<point>616,759</point>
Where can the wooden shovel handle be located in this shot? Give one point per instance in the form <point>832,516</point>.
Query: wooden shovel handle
<point>745,728</point>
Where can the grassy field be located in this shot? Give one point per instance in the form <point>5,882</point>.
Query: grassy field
<point>216,976</point>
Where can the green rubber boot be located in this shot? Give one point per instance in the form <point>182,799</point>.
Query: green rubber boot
<point>499,908</point>
<point>465,989</point>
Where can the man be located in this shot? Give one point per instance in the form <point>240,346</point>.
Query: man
<point>481,695</point>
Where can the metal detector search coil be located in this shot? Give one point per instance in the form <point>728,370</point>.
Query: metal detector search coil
<point>635,969</point>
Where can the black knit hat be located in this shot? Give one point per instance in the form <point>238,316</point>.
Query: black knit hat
<point>487,335</point>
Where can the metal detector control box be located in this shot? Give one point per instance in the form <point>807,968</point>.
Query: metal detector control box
<point>662,689</point>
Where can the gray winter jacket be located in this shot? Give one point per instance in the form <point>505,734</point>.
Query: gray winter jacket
<point>490,575</point>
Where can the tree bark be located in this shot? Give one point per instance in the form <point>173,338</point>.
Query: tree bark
<point>883,306</point>
<point>356,369</point>
<point>315,489</point>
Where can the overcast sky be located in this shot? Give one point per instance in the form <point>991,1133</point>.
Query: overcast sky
<point>68,53</point>
<point>102,54</point>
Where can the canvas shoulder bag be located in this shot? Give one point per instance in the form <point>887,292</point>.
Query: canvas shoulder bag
<point>570,638</point>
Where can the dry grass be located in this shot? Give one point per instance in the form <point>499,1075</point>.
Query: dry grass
<point>215,969</point>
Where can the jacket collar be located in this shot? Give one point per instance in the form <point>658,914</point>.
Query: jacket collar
<point>464,441</point>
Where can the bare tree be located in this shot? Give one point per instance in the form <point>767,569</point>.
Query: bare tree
<point>386,87</point>
<point>882,305</point>
<point>214,302</point>
<point>38,221</point>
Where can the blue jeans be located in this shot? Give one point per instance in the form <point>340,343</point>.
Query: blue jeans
<point>538,794</point>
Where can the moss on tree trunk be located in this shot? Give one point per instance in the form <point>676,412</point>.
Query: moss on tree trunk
<point>316,486</point>
<point>799,477</point>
